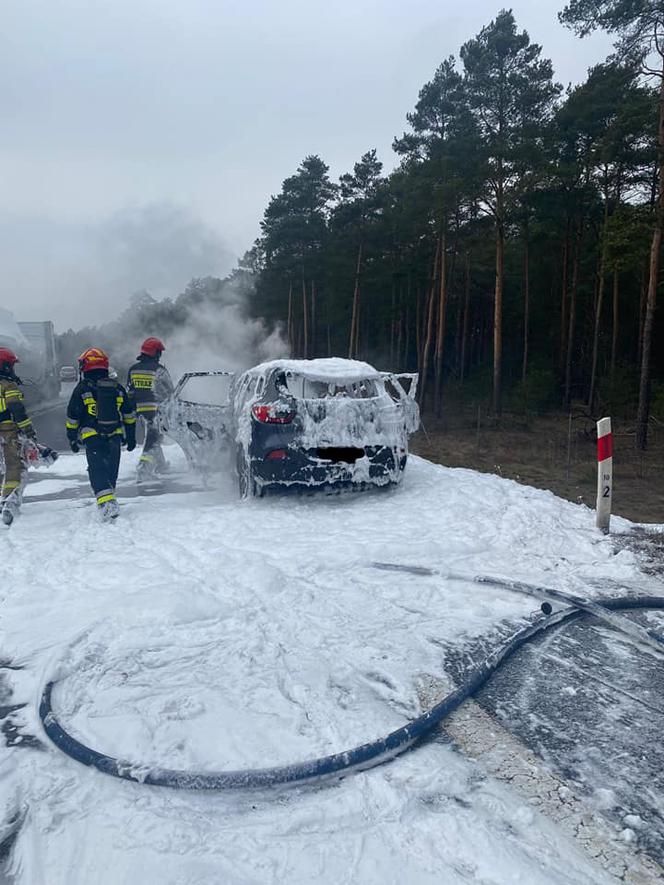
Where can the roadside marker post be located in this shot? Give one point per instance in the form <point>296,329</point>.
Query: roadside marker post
<point>604,473</point>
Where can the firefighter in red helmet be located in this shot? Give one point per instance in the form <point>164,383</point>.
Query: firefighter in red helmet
<point>14,426</point>
<point>100,415</point>
<point>150,384</point>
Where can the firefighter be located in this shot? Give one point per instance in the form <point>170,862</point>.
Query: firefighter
<point>101,416</point>
<point>150,384</point>
<point>15,425</point>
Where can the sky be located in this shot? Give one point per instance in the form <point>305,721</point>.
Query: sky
<point>142,139</point>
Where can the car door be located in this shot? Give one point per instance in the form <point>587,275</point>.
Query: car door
<point>197,409</point>
<point>402,388</point>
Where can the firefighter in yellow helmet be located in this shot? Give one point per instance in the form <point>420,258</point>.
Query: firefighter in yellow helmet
<point>14,424</point>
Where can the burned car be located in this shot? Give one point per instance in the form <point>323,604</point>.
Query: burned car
<point>332,423</point>
<point>198,416</point>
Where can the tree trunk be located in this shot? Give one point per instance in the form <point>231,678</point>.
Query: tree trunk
<point>428,335</point>
<point>297,339</point>
<point>477,345</point>
<point>600,300</point>
<point>614,329</point>
<point>305,320</point>
<point>355,320</point>
<point>399,335</point>
<point>653,279</point>
<point>424,313</point>
<point>526,304</point>
<point>642,313</point>
<point>498,319</point>
<point>563,302</point>
<point>466,317</point>
<point>418,326</point>
<point>393,319</point>
<point>440,332</point>
<point>289,325</point>
<point>643,413</point>
<point>313,318</point>
<point>406,343</point>
<point>572,314</point>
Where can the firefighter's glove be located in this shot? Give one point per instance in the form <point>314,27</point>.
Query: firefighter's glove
<point>130,438</point>
<point>131,445</point>
<point>74,446</point>
<point>48,455</point>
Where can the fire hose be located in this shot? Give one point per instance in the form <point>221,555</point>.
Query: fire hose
<point>383,749</point>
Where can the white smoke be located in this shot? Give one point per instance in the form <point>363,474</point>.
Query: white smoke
<point>78,274</point>
<point>222,339</point>
<point>158,247</point>
<point>218,333</point>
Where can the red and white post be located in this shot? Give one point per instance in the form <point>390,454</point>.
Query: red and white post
<point>604,473</point>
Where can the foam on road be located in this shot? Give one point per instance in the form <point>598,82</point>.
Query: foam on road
<point>202,631</point>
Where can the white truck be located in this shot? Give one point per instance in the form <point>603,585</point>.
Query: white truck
<point>34,344</point>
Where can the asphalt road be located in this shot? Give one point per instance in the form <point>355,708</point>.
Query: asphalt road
<point>591,704</point>
<point>49,421</point>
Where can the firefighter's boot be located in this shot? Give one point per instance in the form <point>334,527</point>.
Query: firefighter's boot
<point>10,507</point>
<point>109,510</point>
<point>161,464</point>
<point>146,469</point>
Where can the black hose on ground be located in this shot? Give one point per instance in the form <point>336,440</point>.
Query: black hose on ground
<point>642,635</point>
<point>338,764</point>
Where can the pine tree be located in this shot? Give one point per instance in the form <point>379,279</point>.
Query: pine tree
<point>294,232</point>
<point>637,25</point>
<point>442,154</point>
<point>359,205</point>
<point>512,92</point>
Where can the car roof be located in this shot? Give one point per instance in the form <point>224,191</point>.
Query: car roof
<point>324,369</point>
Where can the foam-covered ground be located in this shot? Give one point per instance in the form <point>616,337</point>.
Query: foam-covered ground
<point>202,631</point>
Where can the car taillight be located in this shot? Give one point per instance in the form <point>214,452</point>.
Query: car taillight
<point>276,455</point>
<point>273,413</point>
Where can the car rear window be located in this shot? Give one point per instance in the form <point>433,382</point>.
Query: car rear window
<point>302,387</point>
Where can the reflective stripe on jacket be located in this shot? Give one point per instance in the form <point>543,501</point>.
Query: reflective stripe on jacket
<point>12,407</point>
<point>83,421</point>
<point>149,383</point>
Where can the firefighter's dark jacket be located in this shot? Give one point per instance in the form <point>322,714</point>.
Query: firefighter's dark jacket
<point>13,415</point>
<point>149,384</point>
<point>83,420</point>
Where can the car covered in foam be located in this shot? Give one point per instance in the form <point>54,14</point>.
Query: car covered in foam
<point>336,423</point>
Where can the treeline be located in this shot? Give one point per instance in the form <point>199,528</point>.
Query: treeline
<point>515,249</point>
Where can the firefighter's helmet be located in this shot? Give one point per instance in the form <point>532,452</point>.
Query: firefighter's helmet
<point>92,358</point>
<point>7,358</point>
<point>152,347</point>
